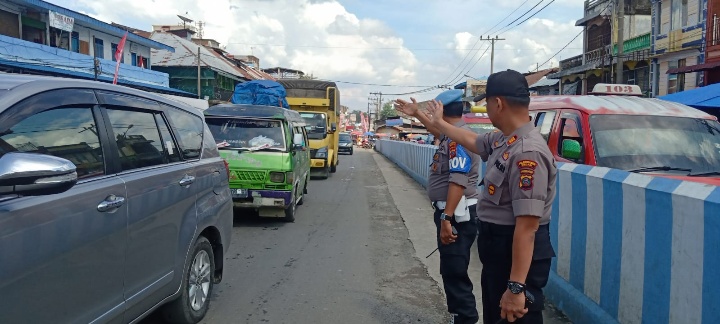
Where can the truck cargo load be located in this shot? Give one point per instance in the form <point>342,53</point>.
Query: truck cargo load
<point>260,93</point>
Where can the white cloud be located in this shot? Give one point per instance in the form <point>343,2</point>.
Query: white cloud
<point>325,39</point>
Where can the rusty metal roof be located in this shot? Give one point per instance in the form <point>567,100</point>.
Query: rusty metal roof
<point>617,105</point>
<point>186,55</point>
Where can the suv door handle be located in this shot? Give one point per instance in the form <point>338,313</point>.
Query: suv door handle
<point>187,180</point>
<point>110,204</point>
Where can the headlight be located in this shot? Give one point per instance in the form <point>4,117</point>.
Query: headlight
<point>289,177</point>
<point>277,176</point>
<point>322,153</point>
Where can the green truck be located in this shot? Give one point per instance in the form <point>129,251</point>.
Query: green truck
<point>267,152</point>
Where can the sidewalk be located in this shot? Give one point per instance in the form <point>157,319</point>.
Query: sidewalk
<point>411,200</point>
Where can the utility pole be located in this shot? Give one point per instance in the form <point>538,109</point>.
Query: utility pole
<point>378,104</point>
<point>492,51</point>
<point>95,60</point>
<point>198,83</point>
<point>620,40</point>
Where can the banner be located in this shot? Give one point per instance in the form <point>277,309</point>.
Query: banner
<point>118,57</point>
<point>61,22</point>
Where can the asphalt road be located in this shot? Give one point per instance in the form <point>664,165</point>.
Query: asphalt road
<point>348,258</point>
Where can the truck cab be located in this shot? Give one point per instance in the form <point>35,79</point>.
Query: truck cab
<point>318,103</point>
<point>267,154</point>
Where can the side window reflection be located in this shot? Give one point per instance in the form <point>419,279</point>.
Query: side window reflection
<point>68,133</point>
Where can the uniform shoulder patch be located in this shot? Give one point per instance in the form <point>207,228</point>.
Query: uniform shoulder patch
<point>527,164</point>
<point>526,181</point>
<point>459,159</point>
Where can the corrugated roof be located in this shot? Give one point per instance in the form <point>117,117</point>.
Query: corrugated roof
<point>88,21</point>
<point>186,55</point>
<point>621,105</point>
<point>544,82</point>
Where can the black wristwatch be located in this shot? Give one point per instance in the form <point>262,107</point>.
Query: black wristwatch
<point>516,287</point>
<point>446,217</point>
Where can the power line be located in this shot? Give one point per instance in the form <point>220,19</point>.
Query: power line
<point>480,37</point>
<point>523,15</point>
<point>558,52</point>
<point>533,15</point>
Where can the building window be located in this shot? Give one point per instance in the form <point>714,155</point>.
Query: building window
<point>676,82</point>
<point>75,42</point>
<point>133,59</point>
<point>678,14</point>
<point>114,50</point>
<point>99,48</point>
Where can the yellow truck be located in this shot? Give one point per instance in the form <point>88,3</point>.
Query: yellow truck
<point>318,103</point>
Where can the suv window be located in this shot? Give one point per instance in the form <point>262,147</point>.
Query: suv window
<point>138,139</point>
<point>189,131</point>
<point>69,133</point>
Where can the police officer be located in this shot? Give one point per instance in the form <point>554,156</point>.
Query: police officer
<point>452,189</point>
<point>515,204</point>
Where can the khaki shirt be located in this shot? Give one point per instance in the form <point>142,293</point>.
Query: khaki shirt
<point>519,177</point>
<point>453,163</point>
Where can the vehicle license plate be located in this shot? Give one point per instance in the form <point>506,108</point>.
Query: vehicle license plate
<point>240,193</point>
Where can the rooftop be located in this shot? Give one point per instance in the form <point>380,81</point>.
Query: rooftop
<point>617,105</point>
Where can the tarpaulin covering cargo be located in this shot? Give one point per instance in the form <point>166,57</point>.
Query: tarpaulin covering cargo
<point>260,92</point>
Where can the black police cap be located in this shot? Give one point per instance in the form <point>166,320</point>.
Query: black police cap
<point>510,83</point>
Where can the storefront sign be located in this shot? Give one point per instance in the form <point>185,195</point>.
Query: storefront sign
<point>61,22</point>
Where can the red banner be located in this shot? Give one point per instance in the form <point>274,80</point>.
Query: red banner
<point>118,57</point>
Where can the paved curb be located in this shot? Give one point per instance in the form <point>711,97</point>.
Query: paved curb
<point>573,303</point>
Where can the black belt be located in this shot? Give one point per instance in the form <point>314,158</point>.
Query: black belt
<point>434,205</point>
<point>495,229</point>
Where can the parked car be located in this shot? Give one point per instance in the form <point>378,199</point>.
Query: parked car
<point>113,202</point>
<point>346,144</point>
<point>615,128</point>
<point>269,156</point>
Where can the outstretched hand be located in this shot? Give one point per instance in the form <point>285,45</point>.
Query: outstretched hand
<point>407,108</point>
<point>435,109</point>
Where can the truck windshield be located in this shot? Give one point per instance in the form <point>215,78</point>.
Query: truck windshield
<point>316,125</point>
<point>637,142</point>
<point>481,128</point>
<point>247,134</point>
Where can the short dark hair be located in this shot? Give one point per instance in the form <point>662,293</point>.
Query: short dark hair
<point>453,109</point>
<point>518,102</point>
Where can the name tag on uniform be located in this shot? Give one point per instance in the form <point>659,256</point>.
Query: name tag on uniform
<point>500,166</point>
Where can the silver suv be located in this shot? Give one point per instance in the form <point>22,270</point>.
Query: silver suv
<point>113,202</point>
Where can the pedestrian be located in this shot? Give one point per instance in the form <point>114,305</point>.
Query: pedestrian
<point>452,189</point>
<point>515,205</point>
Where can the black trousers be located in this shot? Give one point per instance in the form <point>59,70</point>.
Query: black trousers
<point>454,262</point>
<point>495,251</point>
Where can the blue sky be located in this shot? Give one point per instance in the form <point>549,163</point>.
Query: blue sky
<point>373,42</point>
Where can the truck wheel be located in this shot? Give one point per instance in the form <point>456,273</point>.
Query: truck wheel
<point>302,198</point>
<point>192,305</point>
<point>333,168</point>
<point>290,212</point>
<point>326,172</point>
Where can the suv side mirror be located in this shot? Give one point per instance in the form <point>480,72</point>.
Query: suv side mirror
<point>298,142</point>
<point>571,149</point>
<point>333,127</point>
<point>31,174</point>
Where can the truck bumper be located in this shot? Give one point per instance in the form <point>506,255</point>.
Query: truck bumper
<point>318,163</point>
<point>264,198</point>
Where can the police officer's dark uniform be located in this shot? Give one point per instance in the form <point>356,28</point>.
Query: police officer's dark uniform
<point>453,163</point>
<point>519,181</point>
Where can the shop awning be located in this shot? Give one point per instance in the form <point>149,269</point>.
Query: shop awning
<point>694,68</point>
<point>703,97</point>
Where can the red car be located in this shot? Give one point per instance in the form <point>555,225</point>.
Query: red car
<point>615,128</point>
